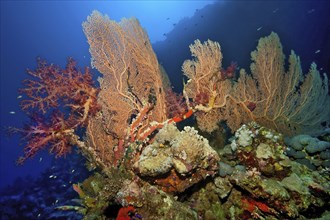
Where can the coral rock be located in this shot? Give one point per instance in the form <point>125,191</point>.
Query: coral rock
<point>186,154</point>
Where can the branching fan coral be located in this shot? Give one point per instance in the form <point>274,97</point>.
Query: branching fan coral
<point>131,80</point>
<point>287,101</point>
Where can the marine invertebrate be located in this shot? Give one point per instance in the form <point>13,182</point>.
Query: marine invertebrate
<point>132,92</point>
<point>54,90</point>
<point>296,106</point>
<point>259,151</point>
<point>128,213</point>
<point>175,104</point>
<point>272,184</point>
<point>176,160</point>
<point>229,72</point>
<point>309,151</point>
<point>131,82</point>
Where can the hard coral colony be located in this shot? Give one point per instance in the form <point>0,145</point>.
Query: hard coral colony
<point>155,171</point>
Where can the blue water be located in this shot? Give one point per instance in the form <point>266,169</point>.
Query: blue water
<point>52,30</point>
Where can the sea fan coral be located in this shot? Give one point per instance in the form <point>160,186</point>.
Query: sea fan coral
<point>131,83</point>
<point>296,106</point>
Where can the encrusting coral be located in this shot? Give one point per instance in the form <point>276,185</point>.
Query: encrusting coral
<point>270,185</point>
<point>312,152</point>
<point>177,160</point>
<point>294,107</point>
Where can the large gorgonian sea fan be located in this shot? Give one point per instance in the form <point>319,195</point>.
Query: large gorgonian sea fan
<point>288,101</point>
<point>131,82</point>
<point>58,102</point>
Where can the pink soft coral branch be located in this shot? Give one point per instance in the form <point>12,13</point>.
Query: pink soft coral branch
<point>55,88</point>
<point>41,133</point>
<point>51,85</point>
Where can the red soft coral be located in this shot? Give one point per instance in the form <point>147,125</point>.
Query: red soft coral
<point>53,89</point>
<point>175,104</point>
<point>229,72</point>
<point>52,85</point>
<point>42,132</point>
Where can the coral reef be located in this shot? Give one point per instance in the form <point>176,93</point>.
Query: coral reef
<point>269,185</point>
<point>294,107</point>
<point>177,160</point>
<point>309,151</point>
<point>144,167</point>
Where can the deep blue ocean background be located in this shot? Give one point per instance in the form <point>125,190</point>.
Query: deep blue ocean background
<point>53,31</point>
